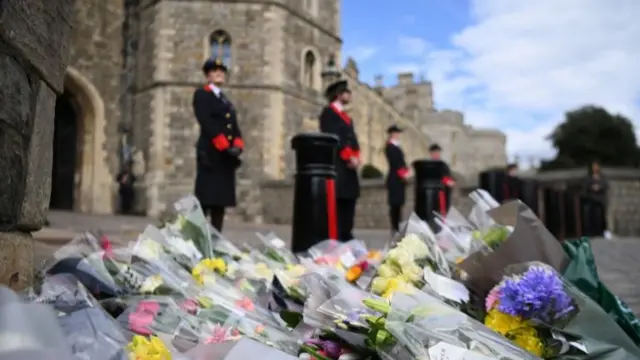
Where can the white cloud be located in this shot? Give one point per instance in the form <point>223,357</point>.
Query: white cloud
<point>413,46</point>
<point>522,61</point>
<point>362,53</point>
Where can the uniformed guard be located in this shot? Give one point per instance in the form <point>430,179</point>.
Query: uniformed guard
<point>511,186</point>
<point>435,153</point>
<point>335,120</point>
<point>219,146</point>
<point>396,181</point>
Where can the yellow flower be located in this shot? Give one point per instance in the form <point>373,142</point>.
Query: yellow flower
<point>207,265</point>
<point>516,330</point>
<point>141,348</point>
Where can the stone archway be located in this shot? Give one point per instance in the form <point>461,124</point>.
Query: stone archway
<point>93,180</point>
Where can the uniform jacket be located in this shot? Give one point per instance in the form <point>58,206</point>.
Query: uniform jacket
<point>511,188</point>
<point>219,131</point>
<point>397,177</point>
<point>337,122</point>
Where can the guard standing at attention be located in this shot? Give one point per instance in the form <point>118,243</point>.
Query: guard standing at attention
<point>219,146</point>
<point>435,153</point>
<point>511,187</point>
<point>336,121</point>
<point>396,181</point>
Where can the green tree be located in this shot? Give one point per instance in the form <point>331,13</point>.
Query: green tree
<point>592,133</point>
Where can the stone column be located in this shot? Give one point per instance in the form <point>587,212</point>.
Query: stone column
<point>34,51</point>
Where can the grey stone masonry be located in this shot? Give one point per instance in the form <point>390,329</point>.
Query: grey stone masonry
<point>33,56</point>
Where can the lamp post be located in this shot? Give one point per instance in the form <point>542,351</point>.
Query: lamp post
<point>331,73</point>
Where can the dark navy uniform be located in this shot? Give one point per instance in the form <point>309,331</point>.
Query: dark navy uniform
<point>512,184</point>
<point>396,181</point>
<point>444,195</point>
<point>218,149</point>
<point>335,121</point>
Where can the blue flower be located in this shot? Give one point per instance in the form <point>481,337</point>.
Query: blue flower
<point>538,294</point>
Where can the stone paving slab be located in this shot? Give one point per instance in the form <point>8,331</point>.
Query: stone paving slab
<point>617,259</point>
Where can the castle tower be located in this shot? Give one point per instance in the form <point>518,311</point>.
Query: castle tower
<point>275,52</point>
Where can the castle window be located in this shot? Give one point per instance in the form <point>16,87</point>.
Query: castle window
<point>220,42</point>
<point>310,71</point>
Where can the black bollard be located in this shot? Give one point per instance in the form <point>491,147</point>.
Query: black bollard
<point>494,182</point>
<point>431,195</point>
<point>315,217</point>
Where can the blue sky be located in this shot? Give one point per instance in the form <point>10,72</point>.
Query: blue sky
<point>433,21</point>
<point>513,65</point>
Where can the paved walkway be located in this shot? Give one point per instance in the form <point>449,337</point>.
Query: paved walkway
<point>617,259</point>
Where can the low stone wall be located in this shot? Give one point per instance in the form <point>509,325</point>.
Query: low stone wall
<point>371,212</point>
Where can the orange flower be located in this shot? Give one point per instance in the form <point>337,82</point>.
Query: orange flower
<point>374,255</point>
<point>354,273</point>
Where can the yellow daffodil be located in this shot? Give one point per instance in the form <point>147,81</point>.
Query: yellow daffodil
<point>516,330</point>
<point>208,265</point>
<point>141,348</point>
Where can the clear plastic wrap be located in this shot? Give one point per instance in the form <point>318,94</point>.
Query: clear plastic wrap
<point>276,249</point>
<point>428,329</point>
<point>30,330</point>
<point>90,332</point>
<point>192,225</point>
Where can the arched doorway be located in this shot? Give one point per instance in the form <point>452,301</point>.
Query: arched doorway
<point>66,145</point>
<point>81,179</point>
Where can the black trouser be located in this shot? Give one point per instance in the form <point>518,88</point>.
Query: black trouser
<point>126,199</point>
<point>346,215</point>
<point>216,215</point>
<point>595,218</point>
<point>395,215</point>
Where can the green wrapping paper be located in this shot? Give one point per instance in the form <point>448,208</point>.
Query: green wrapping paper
<point>583,273</point>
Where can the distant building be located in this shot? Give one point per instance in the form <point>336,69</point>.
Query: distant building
<point>134,66</point>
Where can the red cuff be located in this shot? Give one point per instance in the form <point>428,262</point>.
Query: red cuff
<point>220,142</point>
<point>346,153</point>
<point>356,154</point>
<point>448,181</point>
<point>238,142</point>
<point>403,172</point>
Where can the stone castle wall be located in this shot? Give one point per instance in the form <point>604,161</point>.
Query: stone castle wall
<point>142,59</point>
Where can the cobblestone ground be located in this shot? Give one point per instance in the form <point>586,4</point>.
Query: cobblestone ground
<point>617,259</point>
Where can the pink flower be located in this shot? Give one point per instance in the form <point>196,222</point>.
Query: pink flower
<point>139,322</point>
<point>190,306</point>
<point>246,304</point>
<point>218,335</point>
<point>492,299</point>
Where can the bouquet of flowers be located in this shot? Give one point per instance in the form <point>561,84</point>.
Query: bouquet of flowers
<point>540,312</point>
<point>423,327</point>
<point>529,241</point>
<point>402,267</point>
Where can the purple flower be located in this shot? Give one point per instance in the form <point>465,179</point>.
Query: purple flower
<point>538,294</point>
<point>331,348</point>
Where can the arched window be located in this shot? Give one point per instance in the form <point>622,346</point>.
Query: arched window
<point>220,42</point>
<point>309,70</point>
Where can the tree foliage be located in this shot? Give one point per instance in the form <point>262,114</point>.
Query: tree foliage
<point>592,133</point>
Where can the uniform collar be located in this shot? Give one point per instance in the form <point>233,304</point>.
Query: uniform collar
<point>216,90</point>
<point>338,106</point>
